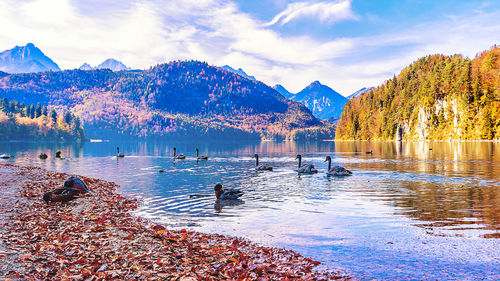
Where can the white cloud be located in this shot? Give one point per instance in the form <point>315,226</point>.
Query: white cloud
<point>324,11</point>
<point>147,32</point>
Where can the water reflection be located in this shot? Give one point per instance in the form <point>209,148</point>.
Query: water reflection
<point>406,204</point>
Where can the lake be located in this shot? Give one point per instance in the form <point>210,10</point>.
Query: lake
<point>411,210</point>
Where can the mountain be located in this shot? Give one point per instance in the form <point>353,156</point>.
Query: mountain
<point>359,92</point>
<point>283,91</point>
<point>112,64</point>
<point>176,100</point>
<point>25,59</point>
<point>437,97</point>
<point>85,66</point>
<point>322,100</point>
<point>240,72</point>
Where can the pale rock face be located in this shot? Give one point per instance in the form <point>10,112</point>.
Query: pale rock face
<point>421,126</point>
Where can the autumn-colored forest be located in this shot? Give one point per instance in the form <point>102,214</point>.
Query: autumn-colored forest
<point>28,122</point>
<point>176,100</point>
<point>437,97</point>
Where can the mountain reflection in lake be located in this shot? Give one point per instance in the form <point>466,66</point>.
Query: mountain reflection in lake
<point>411,210</point>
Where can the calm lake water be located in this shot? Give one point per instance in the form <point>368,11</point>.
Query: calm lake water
<point>408,212</point>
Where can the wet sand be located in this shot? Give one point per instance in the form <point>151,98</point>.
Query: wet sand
<point>95,237</point>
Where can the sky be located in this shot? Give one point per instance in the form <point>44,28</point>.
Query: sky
<point>345,44</point>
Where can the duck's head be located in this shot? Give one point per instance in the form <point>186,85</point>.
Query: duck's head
<point>69,183</point>
<point>298,156</point>
<point>328,158</point>
<point>218,190</point>
<point>256,155</point>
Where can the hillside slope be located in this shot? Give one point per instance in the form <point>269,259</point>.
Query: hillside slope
<point>436,97</point>
<point>178,99</point>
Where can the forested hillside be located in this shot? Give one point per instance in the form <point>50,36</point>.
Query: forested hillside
<point>28,122</point>
<point>179,99</point>
<point>436,97</point>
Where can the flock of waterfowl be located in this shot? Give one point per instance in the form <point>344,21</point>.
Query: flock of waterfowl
<point>337,171</point>
<point>231,194</point>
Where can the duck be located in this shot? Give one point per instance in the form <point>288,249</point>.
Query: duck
<point>76,183</point>
<point>118,153</point>
<point>306,168</point>
<point>161,171</point>
<point>4,156</point>
<point>261,167</point>
<point>369,152</point>
<point>226,194</point>
<point>200,157</point>
<point>61,195</point>
<point>178,156</point>
<point>42,156</point>
<point>337,171</point>
<point>58,154</point>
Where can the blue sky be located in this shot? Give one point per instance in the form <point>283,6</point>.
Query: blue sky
<point>345,44</point>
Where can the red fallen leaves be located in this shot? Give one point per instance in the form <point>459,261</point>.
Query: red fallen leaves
<point>96,238</point>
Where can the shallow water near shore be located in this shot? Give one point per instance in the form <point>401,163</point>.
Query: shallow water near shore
<point>411,210</point>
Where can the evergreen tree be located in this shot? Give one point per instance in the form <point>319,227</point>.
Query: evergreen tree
<point>53,115</point>
<point>38,110</point>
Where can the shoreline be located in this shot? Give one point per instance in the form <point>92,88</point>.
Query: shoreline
<point>97,237</point>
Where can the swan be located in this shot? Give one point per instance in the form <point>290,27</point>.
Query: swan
<point>200,157</point>
<point>42,156</point>
<point>261,167</point>
<point>337,171</point>
<point>306,168</point>
<point>226,194</point>
<point>118,153</point>
<point>178,156</point>
<point>5,156</point>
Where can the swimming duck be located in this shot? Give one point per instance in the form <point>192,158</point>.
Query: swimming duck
<point>306,168</point>
<point>5,156</point>
<point>337,171</point>
<point>61,195</point>
<point>42,156</point>
<point>118,153</point>
<point>200,157</point>
<point>178,156</point>
<point>369,152</point>
<point>161,171</point>
<point>226,194</point>
<point>58,154</point>
<point>261,167</point>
